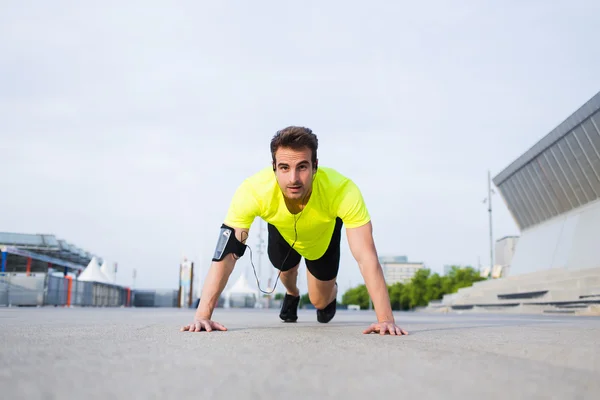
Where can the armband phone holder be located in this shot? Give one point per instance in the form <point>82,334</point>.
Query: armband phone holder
<point>228,244</point>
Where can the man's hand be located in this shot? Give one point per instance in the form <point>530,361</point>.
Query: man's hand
<point>384,327</point>
<point>203,325</point>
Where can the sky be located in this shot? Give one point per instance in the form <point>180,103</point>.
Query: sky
<point>125,129</point>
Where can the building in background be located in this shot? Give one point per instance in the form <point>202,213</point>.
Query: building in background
<point>553,193</point>
<point>186,283</point>
<point>38,270</point>
<point>504,252</point>
<point>399,269</point>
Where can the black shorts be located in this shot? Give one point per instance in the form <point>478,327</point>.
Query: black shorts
<point>324,269</point>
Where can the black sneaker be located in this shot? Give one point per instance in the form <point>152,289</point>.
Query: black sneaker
<point>289,308</point>
<point>325,315</point>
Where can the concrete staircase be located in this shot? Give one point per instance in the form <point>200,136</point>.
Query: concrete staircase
<point>572,291</point>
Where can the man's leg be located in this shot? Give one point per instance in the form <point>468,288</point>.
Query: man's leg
<point>289,279</point>
<point>321,293</point>
<point>322,276</point>
<point>287,260</point>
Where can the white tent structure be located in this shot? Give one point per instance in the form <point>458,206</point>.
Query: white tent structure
<point>93,273</point>
<point>241,295</point>
<point>108,272</point>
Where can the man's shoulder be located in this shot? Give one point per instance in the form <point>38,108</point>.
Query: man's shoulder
<point>261,182</point>
<point>337,186</point>
<point>331,178</point>
<point>264,175</point>
<point>344,197</point>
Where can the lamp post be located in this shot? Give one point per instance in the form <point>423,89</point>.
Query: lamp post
<point>488,200</point>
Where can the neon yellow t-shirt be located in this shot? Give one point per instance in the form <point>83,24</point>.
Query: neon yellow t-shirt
<point>333,195</point>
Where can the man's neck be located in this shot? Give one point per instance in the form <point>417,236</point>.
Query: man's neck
<point>296,206</point>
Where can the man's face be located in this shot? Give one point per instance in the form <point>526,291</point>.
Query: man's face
<point>294,172</point>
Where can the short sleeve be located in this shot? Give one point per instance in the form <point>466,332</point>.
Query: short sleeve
<point>243,209</point>
<point>351,207</point>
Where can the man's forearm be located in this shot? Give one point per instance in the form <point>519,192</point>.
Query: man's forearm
<point>215,282</point>
<point>377,287</point>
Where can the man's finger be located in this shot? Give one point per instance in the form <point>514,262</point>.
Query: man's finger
<point>219,326</point>
<point>368,330</point>
<point>382,328</point>
<point>206,326</point>
<point>392,329</point>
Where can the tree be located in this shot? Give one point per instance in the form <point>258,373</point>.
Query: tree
<point>395,293</point>
<point>400,295</point>
<point>418,289</point>
<point>460,277</point>
<point>423,288</point>
<point>435,289</point>
<point>358,295</point>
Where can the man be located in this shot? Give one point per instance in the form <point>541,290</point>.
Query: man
<point>305,207</point>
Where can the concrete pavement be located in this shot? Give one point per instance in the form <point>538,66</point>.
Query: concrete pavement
<point>56,353</point>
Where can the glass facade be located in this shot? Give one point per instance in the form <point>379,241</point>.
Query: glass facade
<point>562,176</point>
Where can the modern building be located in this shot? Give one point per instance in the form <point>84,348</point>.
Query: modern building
<point>22,252</point>
<point>553,193</point>
<point>399,269</point>
<point>504,252</point>
<point>39,269</point>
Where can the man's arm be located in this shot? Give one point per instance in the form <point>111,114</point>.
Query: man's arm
<point>215,282</point>
<point>217,278</point>
<point>363,249</point>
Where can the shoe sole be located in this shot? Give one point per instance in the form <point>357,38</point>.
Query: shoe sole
<point>288,319</point>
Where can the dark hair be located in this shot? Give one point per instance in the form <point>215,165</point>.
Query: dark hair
<point>295,137</point>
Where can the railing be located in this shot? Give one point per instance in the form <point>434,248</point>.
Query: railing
<point>14,290</point>
<point>43,289</point>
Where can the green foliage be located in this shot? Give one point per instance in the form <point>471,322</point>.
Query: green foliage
<point>279,296</point>
<point>399,296</point>
<point>462,277</point>
<point>357,295</point>
<point>423,288</point>
<point>304,300</point>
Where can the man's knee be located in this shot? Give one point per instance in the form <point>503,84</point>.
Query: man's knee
<point>319,302</point>
<point>321,297</point>
<point>291,271</point>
